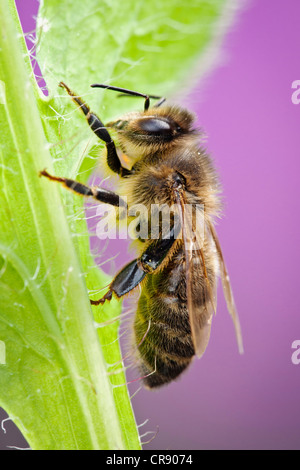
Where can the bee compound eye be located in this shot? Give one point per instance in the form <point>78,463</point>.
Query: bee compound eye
<point>156,126</point>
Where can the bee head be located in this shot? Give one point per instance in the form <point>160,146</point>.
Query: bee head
<point>153,131</point>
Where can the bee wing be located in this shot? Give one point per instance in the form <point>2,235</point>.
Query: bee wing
<point>227,290</point>
<point>201,303</point>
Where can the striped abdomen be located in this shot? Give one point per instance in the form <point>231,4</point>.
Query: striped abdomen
<point>162,328</point>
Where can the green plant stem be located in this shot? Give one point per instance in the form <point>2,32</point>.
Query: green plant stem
<point>54,383</point>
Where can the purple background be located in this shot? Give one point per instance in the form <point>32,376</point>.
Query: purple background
<point>227,401</point>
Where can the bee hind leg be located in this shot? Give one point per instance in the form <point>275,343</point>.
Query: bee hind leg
<point>135,271</point>
<point>126,280</point>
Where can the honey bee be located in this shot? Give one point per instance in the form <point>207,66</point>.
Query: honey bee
<point>177,271</point>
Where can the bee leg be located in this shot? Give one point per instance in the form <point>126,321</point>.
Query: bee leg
<point>101,132</point>
<point>100,194</point>
<point>127,279</point>
<point>156,252</point>
<point>134,272</point>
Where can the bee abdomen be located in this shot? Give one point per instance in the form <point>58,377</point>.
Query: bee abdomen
<point>163,338</point>
<point>163,372</point>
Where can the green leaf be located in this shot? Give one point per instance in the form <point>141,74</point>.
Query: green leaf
<point>55,382</point>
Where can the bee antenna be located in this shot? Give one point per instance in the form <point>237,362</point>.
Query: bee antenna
<point>125,91</point>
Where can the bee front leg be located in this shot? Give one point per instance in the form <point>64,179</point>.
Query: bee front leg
<point>101,132</point>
